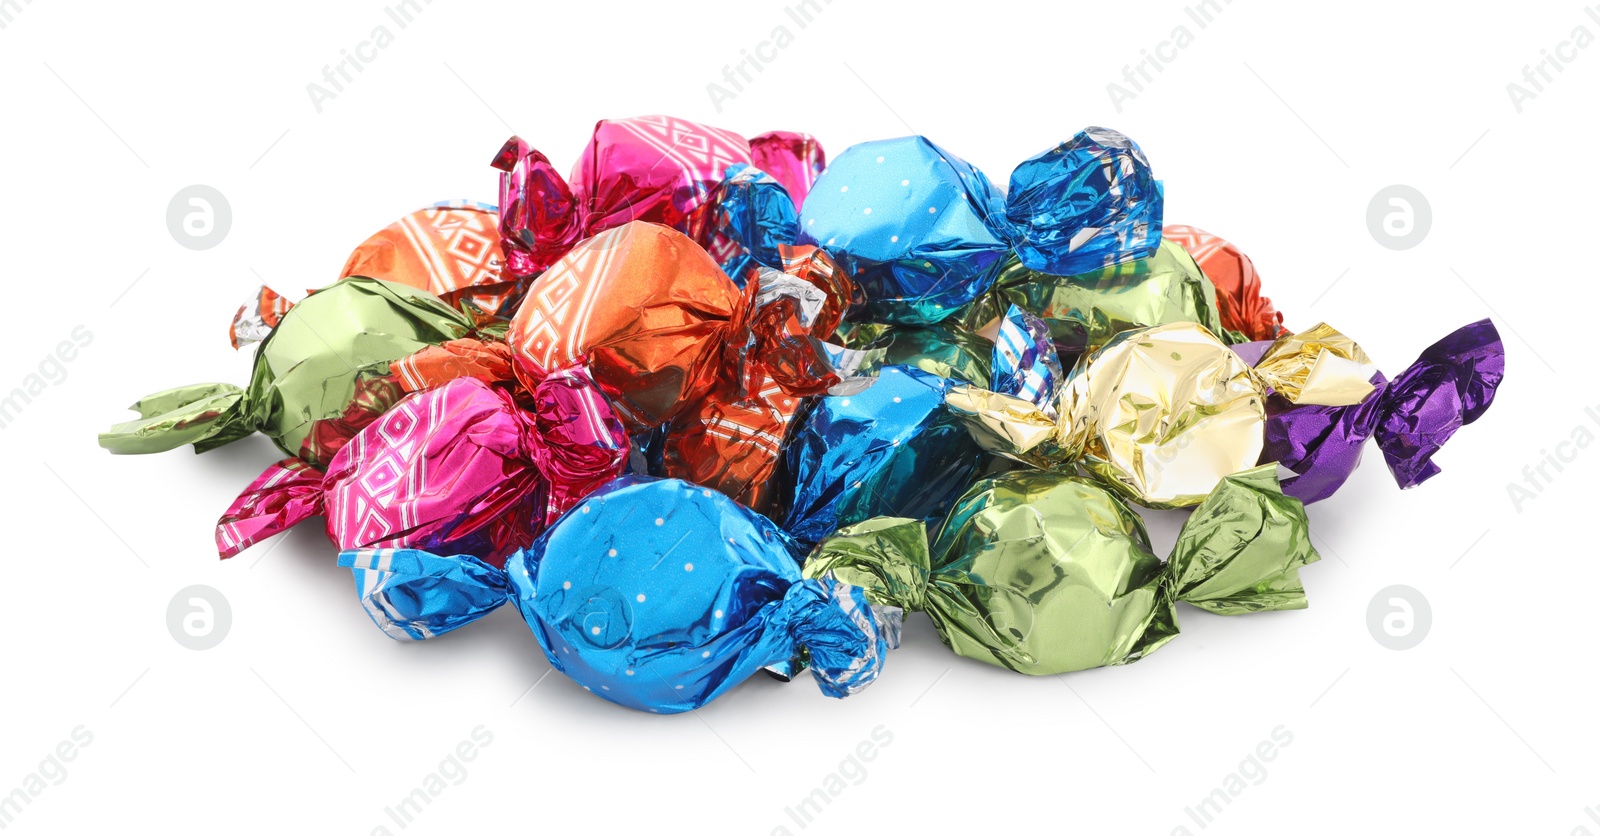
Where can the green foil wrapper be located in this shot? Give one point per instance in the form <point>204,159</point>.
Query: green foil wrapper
<point>1085,311</point>
<point>1046,573</point>
<point>946,350</point>
<point>319,377</point>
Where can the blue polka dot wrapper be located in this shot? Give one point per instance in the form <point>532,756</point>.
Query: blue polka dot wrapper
<point>661,596</point>
<point>923,233</point>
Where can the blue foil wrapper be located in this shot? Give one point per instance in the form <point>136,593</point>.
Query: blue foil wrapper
<point>919,230</point>
<point>1087,203</point>
<point>922,232</point>
<point>755,213</point>
<point>413,595</point>
<point>1025,363</point>
<point>891,449</point>
<point>661,595</point>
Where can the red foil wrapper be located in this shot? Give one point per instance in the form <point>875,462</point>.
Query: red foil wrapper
<point>1239,298</point>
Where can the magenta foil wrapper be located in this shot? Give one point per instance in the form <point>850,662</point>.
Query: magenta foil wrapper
<point>458,469</point>
<point>660,169</point>
<point>1449,386</point>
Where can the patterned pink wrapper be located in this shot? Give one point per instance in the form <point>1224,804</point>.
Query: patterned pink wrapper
<point>457,469</point>
<point>660,169</point>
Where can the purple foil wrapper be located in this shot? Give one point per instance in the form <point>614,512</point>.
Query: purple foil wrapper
<point>1450,385</point>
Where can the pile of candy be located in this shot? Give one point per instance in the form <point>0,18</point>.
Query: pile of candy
<point>710,406</point>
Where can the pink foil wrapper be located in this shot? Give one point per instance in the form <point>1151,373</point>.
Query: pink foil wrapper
<point>660,169</point>
<point>458,469</point>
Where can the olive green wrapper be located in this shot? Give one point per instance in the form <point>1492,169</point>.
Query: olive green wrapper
<point>946,350</point>
<point>1085,311</point>
<point>319,377</point>
<point>1046,573</point>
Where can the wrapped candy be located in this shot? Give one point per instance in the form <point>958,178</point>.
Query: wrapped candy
<point>319,377</point>
<point>661,596</point>
<point>660,327</point>
<point>1162,414</point>
<point>1085,311</point>
<point>459,469</point>
<point>1242,308</point>
<point>1159,415</point>
<point>1450,385</point>
<point>450,249</point>
<point>671,340</point>
<point>659,169</point>
<point>1045,573</point>
<point>924,233</point>
<point>890,449</point>
<point>757,216</point>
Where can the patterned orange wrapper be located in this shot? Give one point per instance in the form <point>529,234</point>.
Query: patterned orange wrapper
<point>451,250</point>
<point>1239,298</point>
<point>670,339</point>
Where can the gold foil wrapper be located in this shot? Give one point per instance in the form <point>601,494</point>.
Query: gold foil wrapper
<point>1160,415</point>
<point>1317,366</point>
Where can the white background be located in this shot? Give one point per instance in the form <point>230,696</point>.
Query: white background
<point>1274,128</point>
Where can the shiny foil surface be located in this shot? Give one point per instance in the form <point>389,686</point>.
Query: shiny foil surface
<point>1159,415</point>
<point>450,249</point>
<point>946,349</point>
<point>1046,573</point>
<point>1317,366</point>
<point>458,469</point>
<point>794,159</point>
<point>1087,203</point>
<point>1085,311</point>
<point>1242,307</point>
<point>659,169</point>
<point>661,328</point>
<point>321,376</point>
<point>1450,385</point>
<point>891,449</point>
<point>756,216</point>
<point>920,230</point>
<point>1163,414</point>
<point>661,596</point>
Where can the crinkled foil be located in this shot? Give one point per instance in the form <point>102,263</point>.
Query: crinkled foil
<point>1085,311</point>
<point>1159,414</point>
<point>1317,366</point>
<point>321,376</point>
<point>1045,573</point>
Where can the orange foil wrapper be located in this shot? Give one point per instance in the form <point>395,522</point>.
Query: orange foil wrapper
<point>451,250</point>
<point>1239,298</point>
